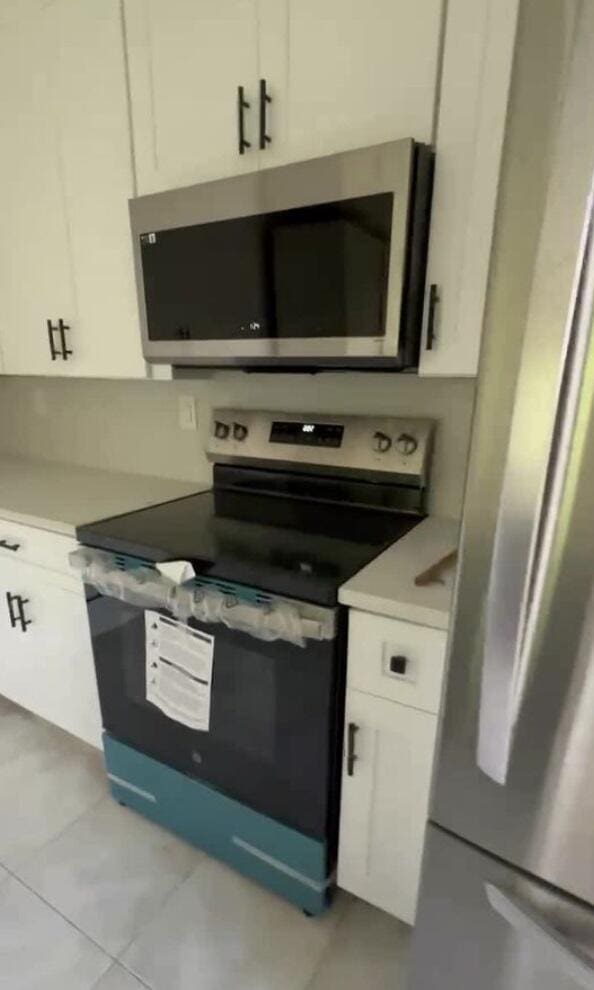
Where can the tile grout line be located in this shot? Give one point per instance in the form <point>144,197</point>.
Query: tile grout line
<point>56,910</point>
<point>167,897</point>
<point>117,965</point>
<point>114,959</point>
<point>13,870</point>
<point>328,949</point>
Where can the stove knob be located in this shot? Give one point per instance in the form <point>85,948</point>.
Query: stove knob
<point>381,442</point>
<point>406,444</point>
<point>221,430</point>
<point>240,431</point>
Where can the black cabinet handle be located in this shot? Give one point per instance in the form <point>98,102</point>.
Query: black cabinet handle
<point>351,755</point>
<point>62,327</point>
<point>10,546</point>
<point>50,333</point>
<point>23,620</point>
<point>242,105</point>
<point>264,99</point>
<point>63,351</point>
<point>433,301</point>
<point>20,617</point>
<point>9,600</point>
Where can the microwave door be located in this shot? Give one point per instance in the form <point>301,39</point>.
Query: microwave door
<point>207,282</point>
<point>330,276</point>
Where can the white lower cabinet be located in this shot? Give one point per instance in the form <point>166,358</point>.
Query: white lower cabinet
<point>394,680</point>
<point>384,802</point>
<point>46,660</point>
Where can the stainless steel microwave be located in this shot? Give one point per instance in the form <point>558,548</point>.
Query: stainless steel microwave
<point>319,264</point>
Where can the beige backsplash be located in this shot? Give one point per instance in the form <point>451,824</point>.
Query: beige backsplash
<point>133,426</point>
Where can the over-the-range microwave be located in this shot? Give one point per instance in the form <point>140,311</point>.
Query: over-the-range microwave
<point>319,264</point>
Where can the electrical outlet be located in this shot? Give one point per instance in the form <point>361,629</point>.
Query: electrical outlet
<point>187,412</point>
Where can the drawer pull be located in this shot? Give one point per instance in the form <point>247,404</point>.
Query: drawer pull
<point>398,665</point>
<point>10,546</point>
<point>351,755</point>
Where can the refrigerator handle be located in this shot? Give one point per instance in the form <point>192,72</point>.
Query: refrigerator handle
<point>524,537</point>
<point>529,923</point>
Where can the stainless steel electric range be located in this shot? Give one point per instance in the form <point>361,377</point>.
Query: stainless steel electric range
<point>219,644</point>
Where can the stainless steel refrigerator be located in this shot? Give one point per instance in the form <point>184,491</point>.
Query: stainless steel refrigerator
<point>507,894</point>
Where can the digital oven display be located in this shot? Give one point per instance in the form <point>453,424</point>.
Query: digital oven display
<point>309,434</point>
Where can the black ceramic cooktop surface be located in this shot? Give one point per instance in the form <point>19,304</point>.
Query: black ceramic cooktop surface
<point>292,547</point>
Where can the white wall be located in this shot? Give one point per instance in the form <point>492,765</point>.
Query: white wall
<point>133,426</point>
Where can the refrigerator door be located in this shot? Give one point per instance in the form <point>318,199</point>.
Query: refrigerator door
<point>514,773</point>
<point>482,925</point>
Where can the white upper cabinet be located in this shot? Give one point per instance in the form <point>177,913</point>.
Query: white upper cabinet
<point>345,73</point>
<point>478,55</point>
<point>187,59</point>
<point>35,272</point>
<point>339,73</point>
<point>65,179</point>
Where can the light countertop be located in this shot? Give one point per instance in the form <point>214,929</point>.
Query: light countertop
<point>387,586</point>
<point>59,497</point>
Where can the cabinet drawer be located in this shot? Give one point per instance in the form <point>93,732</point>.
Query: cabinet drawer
<point>396,660</point>
<point>36,546</point>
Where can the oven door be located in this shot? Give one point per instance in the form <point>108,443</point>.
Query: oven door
<point>276,713</point>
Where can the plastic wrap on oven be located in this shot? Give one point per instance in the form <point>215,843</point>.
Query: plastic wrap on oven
<point>144,587</point>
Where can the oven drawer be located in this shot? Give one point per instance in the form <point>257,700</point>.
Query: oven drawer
<point>396,660</point>
<point>293,865</point>
<point>31,545</point>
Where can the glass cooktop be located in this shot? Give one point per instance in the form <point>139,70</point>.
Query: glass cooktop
<point>294,547</point>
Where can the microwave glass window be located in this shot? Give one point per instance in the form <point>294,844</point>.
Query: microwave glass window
<point>311,272</point>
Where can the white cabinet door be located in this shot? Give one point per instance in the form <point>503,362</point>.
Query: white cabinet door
<point>47,666</point>
<point>186,60</point>
<point>345,73</point>
<point>385,801</point>
<point>35,271</point>
<point>478,54</point>
<point>65,179</point>
<point>90,105</point>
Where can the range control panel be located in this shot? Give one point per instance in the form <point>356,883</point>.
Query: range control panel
<point>390,445</point>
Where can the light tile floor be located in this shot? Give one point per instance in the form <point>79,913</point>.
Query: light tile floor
<point>93,897</point>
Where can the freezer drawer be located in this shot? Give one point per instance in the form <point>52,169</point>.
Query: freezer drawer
<point>482,924</point>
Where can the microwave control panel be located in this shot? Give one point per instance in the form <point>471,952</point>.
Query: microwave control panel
<point>379,444</point>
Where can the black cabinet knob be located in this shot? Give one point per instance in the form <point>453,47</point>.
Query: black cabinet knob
<point>398,665</point>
